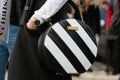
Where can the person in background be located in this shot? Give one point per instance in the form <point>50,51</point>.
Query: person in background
<point>109,42</point>
<point>91,16</point>
<point>103,15</point>
<point>103,8</point>
<point>113,52</point>
<point>6,48</point>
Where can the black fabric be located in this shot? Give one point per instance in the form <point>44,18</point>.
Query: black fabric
<point>114,27</point>
<point>13,15</point>
<point>92,18</point>
<point>24,62</point>
<point>114,45</point>
<point>113,55</point>
<point>116,56</point>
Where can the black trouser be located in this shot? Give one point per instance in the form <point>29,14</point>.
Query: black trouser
<point>116,56</point>
<point>113,54</point>
<point>109,50</point>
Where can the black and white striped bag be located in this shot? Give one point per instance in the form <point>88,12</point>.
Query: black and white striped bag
<point>69,46</point>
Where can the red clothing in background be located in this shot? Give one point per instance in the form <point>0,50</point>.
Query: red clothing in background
<point>110,16</point>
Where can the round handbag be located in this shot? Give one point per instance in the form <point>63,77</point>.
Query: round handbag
<point>68,47</point>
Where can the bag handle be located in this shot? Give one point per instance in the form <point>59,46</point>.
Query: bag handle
<point>75,7</point>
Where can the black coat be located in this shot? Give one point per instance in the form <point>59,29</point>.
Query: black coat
<point>24,61</point>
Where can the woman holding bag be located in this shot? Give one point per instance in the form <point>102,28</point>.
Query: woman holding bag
<point>24,61</point>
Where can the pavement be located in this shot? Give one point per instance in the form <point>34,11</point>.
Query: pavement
<point>98,73</point>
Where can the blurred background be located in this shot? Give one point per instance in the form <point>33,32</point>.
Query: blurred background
<point>104,67</point>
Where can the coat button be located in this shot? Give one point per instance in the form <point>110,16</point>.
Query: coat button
<point>26,8</point>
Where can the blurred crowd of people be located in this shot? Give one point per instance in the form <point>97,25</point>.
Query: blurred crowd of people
<point>103,20</point>
<point>113,36</point>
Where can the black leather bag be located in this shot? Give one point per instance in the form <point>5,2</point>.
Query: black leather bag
<point>68,47</point>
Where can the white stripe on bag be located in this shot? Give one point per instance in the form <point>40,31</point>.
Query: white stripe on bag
<point>59,56</point>
<point>82,33</point>
<point>72,45</point>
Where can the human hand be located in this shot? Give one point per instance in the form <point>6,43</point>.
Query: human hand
<point>31,23</point>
